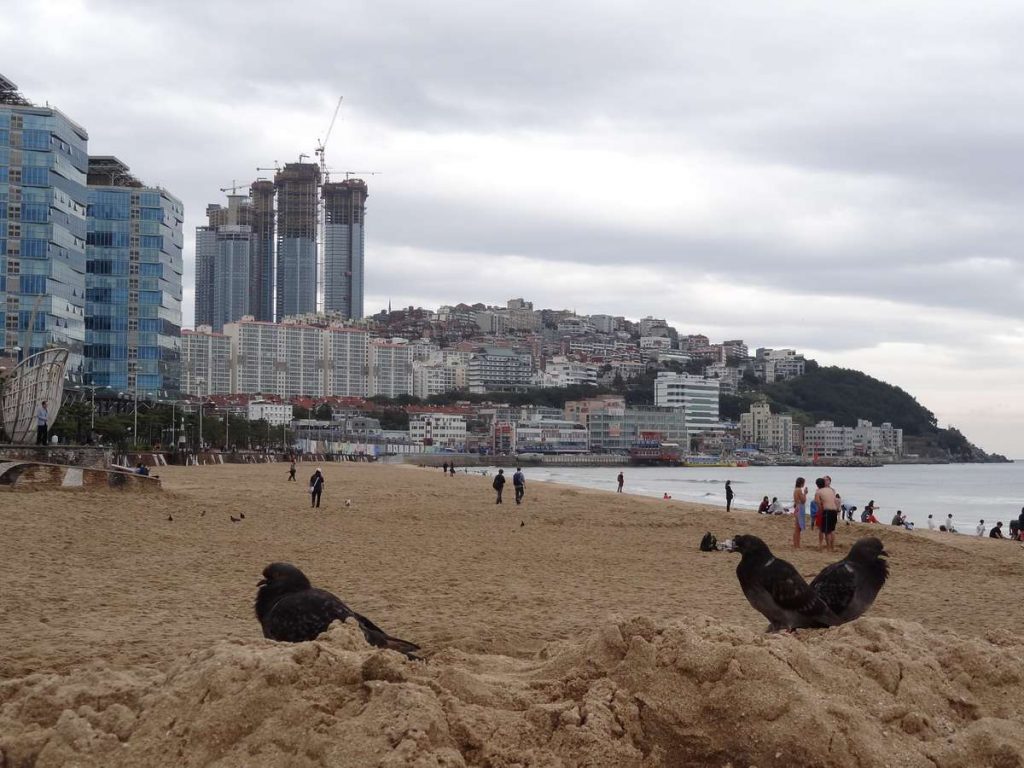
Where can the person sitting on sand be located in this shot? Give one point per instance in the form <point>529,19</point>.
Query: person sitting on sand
<point>950,528</point>
<point>762,508</point>
<point>931,523</point>
<point>980,529</point>
<point>997,532</point>
<point>776,507</point>
<point>898,518</point>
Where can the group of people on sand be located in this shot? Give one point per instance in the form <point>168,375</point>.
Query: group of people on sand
<point>826,508</point>
<point>518,482</point>
<point>1016,529</point>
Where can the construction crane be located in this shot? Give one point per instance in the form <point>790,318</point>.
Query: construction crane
<point>321,146</point>
<point>276,167</point>
<point>233,189</point>
<point>361,173</point>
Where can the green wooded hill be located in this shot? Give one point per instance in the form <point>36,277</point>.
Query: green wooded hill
<point>843,395</point>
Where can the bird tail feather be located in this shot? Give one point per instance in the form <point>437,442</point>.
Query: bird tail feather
<point>381,639</point>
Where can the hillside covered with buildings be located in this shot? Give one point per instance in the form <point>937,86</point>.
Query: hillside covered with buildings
<point>515,379</point>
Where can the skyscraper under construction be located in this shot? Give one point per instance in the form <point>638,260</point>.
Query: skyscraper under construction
<point>344,211</point>
<point>261,269</point>
<point>296,186</point>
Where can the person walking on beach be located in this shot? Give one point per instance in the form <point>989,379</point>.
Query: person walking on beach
<point>799,510</point>
<point>519,484</point>
<point>826,498</point>
<point>42,423</point>
<point>728,495</point>
<point>291,473</point>
<point>622,480</point>
<point>444,468</point>
<point>451,469</point>
<point>499,484</point>
<point>316,488</point>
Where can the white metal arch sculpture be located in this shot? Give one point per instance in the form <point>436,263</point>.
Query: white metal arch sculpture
<point>36,378</point>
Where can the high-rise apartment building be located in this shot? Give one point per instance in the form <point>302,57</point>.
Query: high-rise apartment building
<point>695,395</point>
<point>43,164</point>
<point>296,271</point>
<point>283,359</point>
<point>390,368</point>
<point>345,362</point>
<point>206,362</point>
<point>261,265</point>
<point>344,241</point>
<point>224,263</point>
<point>133,281</point>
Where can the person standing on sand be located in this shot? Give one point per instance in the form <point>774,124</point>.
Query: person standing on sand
<point>291,473</point>
<point>519,484</point>
<point>499,484</point>
<point>444,468</point>
<point>621,480</point>
<point>799,510</point>
<point>42,423</point>
<point>316,488</point>
<point>826,498</point>
<point>451,469</point>
<point>728,495</point>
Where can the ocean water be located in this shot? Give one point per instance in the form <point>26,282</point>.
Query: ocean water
<point>970,492</point>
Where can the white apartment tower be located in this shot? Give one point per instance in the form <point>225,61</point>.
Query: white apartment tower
<point>697,396</point>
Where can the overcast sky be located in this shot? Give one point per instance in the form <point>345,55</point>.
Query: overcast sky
<point>845,179</point>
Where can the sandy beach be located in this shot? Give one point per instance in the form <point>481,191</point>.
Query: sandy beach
<point>582,628</point>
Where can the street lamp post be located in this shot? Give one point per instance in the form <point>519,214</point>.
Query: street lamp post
<point>199,389</point>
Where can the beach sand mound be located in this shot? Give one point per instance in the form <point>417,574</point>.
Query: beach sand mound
<point>876,692</point>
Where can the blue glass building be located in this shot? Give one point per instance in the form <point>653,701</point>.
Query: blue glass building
<point>43,163</point>
<point>133,282</point>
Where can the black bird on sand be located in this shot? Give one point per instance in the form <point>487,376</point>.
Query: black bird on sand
<point>850,586</point>
<point>292,610</point>
<point>234,519</point>
<point>776,589</point>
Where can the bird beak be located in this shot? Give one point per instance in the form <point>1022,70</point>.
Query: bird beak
<point>261,583</point>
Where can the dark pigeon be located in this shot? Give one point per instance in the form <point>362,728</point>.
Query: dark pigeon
<point>776,589</point>
<point>234,519</point>
<point>850,586</point>
<point>293,611</point>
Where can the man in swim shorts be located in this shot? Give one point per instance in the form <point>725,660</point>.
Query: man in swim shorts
<point>827,502</point>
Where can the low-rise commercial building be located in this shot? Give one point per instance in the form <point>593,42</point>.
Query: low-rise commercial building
<point>443,430</point>
<point>275,414</point>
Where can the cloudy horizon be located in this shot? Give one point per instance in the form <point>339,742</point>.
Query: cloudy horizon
<point>838,179</point>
